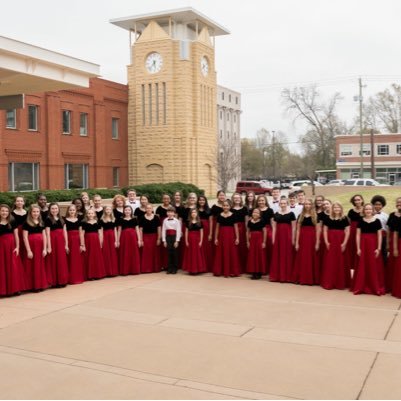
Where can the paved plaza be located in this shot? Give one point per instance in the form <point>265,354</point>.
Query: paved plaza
<point>166,336</point>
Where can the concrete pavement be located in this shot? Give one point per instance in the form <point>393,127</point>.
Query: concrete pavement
<point>184,337</point>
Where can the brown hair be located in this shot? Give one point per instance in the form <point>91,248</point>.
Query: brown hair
<point>312,213</point>
<point>29,219</point>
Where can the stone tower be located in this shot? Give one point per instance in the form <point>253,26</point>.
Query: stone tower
<point>172,98</point>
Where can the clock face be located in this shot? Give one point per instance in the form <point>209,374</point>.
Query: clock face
<point>154,63</point>
<point>204,66</point>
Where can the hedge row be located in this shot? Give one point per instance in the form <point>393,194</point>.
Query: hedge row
<point>153,191</point>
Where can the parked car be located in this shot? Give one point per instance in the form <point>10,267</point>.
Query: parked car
<point>243,187</point>
<point>336,182</point>
<point>297,185</point>
<point>363,182</point>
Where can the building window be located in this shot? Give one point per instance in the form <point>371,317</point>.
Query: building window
<point>114,128</point>
<point>345,150</point>
<point>222,95</point>
<point>66,121</point>
<point>75,176</point>
<point>32,118</point>
<point>150,104</point>
<point>157,103</point>
<point>236,99</point>
<point>229,98</point>
<point>164,103</point>
<point>365,149</point>
<point>11,118</point>
<point>221,115</point>
<point>228,116</point>
<point>235,135</point>
<point>382,150</point>
<point>23,176</point>
<point>83,124</point>
<point>221,134</point>
<point>116,176</point>
<point>228,134</point>
<point>143,106</point>
<point>235,118</point>
<point>398,149</point>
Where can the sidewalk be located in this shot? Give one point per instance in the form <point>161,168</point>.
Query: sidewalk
<point>163,336</point>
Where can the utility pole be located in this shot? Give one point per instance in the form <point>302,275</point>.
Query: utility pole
<point>274,156</point>
<point>360,124</point>
<point>372,154</point>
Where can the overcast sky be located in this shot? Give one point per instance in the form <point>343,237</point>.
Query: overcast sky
<point>273,44</point>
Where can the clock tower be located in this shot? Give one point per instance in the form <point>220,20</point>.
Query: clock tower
<point>172,98</point>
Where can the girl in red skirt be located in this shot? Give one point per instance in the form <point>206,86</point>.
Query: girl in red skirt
<point>56,260</point>
<point>91,243</point>
<point>75,256</point>
<point>267,216</point>
<point>19,214</point>
<point>226,259</point>
<point>12,275</point>
<point>118,206</point>
<point>354,216</point>
<point>77,202</point>
<point>192,200</point>
<point>256,243</point>
<point>215,211</point>
<point>161,211</point>
<point>335,273</point>
<point>395,260</point>
<point>129,242</point>
<point>392,269</point>
<point>150,229</point>
<point>369,274</point>
<point>250,202</point>
<point>97,206</point>
<point>241,216</point>
<point>85,200</point>
<point>33,232</point>
<point>207,244</point>
<point>194,258</point>
<point>283,240</point>
<point>306,263</point>
<point>110,244</point>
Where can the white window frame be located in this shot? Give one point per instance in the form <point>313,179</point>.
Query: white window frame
<point>85,175</point>
<point>345,150</point>
<point>398,149</point>
<point>14,112</point>
<point>380,150</point>
<point>11,177</point>
<point>68,130</point>
<point>36,117</point>
<point>115,122</point>
<point>83,129</point>
<point>366,149</point>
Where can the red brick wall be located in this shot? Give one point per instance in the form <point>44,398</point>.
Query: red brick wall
<point>48,146</point>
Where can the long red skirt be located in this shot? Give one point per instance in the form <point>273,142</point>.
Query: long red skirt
<point>181,246</point>
<point>22,249</point>
<point>150,262</point>
<point>389,266</point>
<point>269,247</point>
<point>110,255</point>
<point>282,258</point>
<point>396,276</point>
<point>242,248</point>
<point>194,258</point>
<point>129,256</point>
<point>76,259</point>
<point>207,246</point>
<point>369,275</point>
<point>213,247</point>
<point>351,256</point>
<point>306,263</point>
<point>35,269</point>
<point>94,264</point>
<point>226,259</point>
<point>335,273</point>
<point>256,262</point>
<point>12,275</point>
<point>56,261</point>
<point>163,252</point>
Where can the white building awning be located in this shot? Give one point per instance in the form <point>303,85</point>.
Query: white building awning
<point>25,68</point>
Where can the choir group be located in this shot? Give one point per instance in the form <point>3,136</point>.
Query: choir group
<point>294,240</point>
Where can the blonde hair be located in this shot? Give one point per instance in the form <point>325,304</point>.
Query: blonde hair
<point>312,213</point>
<point>240,196</point>
<point>29,218</point>
<point>342,215</point>
<point>111,217</point>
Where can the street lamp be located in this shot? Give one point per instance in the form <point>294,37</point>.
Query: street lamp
<point>359,99</point>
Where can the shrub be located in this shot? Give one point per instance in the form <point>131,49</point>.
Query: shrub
<point>153,191</point>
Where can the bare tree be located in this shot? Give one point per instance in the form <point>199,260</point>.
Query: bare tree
<point>322,121</point>
<point>383,111</point>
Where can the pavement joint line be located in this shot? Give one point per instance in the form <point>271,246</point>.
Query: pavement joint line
<point>267,300</point>
<point>176,381</point>
<point>246,331</point>
<point>367,376</point>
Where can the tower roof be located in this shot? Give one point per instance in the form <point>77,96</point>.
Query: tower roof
<point>180,15</point>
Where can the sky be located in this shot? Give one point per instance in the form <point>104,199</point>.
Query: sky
<point>272,45</point>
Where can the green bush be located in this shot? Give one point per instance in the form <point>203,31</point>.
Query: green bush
<point>153,191</point>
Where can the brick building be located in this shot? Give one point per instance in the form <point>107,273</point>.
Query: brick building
<point>66,139</point>
<point>386,156</point>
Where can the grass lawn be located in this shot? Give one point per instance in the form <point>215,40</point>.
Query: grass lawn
<point>390,193</point>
